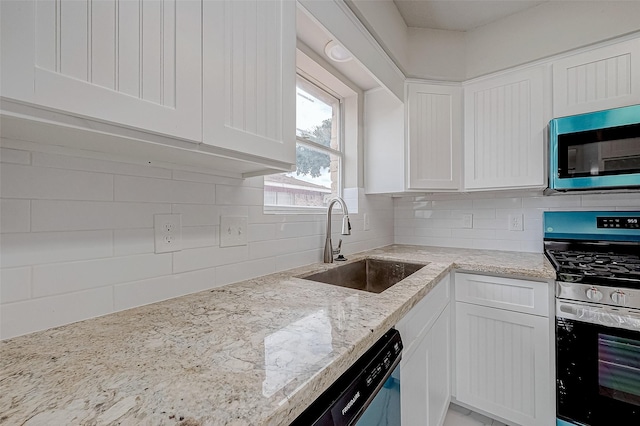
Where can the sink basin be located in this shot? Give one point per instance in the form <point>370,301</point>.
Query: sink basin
<point>372,275</point>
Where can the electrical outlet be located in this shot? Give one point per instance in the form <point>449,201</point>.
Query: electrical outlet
<point>168,232</point>
<point>515,222</point>
<point>467,220</point>
<point>233,231</point>
<point>367,222</point>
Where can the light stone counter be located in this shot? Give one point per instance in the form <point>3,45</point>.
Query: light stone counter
<point>252,353</point>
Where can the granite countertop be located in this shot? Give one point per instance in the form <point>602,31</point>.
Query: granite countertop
<point>251,353</point>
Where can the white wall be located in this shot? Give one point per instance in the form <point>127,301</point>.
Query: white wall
<point>436,54</point>
<point>436,219</point>
<point>383,20</point>
<point>77,240</point>
<point>545,30</point>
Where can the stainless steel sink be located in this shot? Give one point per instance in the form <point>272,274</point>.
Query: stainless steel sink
<point>372,275</point>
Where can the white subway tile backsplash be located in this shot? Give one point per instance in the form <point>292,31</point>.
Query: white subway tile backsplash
<point>208,257</point>
<point>244,196</point>
<point>551,202</point>
<point>76,276</point>
<point>473,233</point>
<point>199,236</point>
<point>48,247</point>
<point>14,215</point>
<point>301,229</point>
<point>606,200</point>
<point>262,249</point>
<point>67,162</point>
<point>197,214</point>
<point>497,203</point>
<point>77,236</point>
<point>505,245</point>
<point>143,292</point>
<point>251,269</point>
<point>489,223</point>
<point>133,241</point>
<point>421,221</point>
<point>128,188</point>
<point>204,178</point>
<point>15,156</point>
<point>300,258</point>
<point>54,215</point>
<point>534,246</point>
<point>15,284</point>
<point>261,232</point>
<point>451,204</point>
<point>27,182</point>
<point>41,313</point>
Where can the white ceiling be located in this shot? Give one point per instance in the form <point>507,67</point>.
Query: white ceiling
<point>458,15</point>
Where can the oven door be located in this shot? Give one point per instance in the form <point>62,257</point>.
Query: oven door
<point>597,364</point>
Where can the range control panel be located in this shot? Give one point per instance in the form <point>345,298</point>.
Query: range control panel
<point>628,222</point>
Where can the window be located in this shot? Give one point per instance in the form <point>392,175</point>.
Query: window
<point>319,153</point>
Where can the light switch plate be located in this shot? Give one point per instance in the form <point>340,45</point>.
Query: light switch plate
<point>367,222</point>
<point>467,220</point>
<point>167,232</point>
<point>233,231</point>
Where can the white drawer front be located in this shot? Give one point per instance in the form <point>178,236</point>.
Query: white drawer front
<point>422,316</point>
<point>530,297</point>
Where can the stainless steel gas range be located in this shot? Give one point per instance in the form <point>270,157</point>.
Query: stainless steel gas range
<point>597,260</point>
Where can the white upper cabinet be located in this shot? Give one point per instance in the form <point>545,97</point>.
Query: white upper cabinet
<point>434,123</point>
<point>417,146</point>
<point>249,77</point>
<point>505,130</point>
<point>133,63</point>
<point>603,78</point>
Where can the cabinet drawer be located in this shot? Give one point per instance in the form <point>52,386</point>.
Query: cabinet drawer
<point>422,316</point>
<point>531,297</point>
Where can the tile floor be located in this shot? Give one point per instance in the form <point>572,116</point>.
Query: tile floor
<point>459,416</point>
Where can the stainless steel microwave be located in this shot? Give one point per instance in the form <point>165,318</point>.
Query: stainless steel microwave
<point>598,150</point>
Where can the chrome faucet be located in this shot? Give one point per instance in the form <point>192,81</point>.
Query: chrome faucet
<point>346,229</point>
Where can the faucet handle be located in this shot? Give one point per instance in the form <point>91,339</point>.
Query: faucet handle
<point>337,250</point>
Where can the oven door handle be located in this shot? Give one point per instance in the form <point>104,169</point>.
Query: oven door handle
<point>604,315</point>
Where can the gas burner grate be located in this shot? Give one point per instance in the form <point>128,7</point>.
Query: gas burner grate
<point>606,265</point>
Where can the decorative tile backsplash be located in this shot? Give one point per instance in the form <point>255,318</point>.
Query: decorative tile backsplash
<point>77,235</point>
<point>437,219</point>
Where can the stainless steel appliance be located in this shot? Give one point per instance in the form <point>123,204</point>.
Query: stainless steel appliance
<point>597,150</point>
<point>597,260</point>
<point>368,393</point>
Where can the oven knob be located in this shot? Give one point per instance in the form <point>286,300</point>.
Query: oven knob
<point>619,298</point>
<point>594,294</point>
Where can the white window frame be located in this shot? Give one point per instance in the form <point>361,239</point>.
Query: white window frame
<point>324,91</point>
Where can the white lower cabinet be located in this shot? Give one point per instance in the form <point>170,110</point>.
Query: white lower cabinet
<point>425,369</point>
<point>503,357</point>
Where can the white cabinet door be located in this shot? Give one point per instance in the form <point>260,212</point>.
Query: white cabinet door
<point>133,63</point>
<point>434,123</point>
<point>503,364</point>
<point>249,77</point>
<point>425,372</point>
<point>505,130</point>
<point>608,77</point>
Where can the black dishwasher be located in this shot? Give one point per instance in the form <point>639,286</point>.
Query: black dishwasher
<point>368,391</point>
